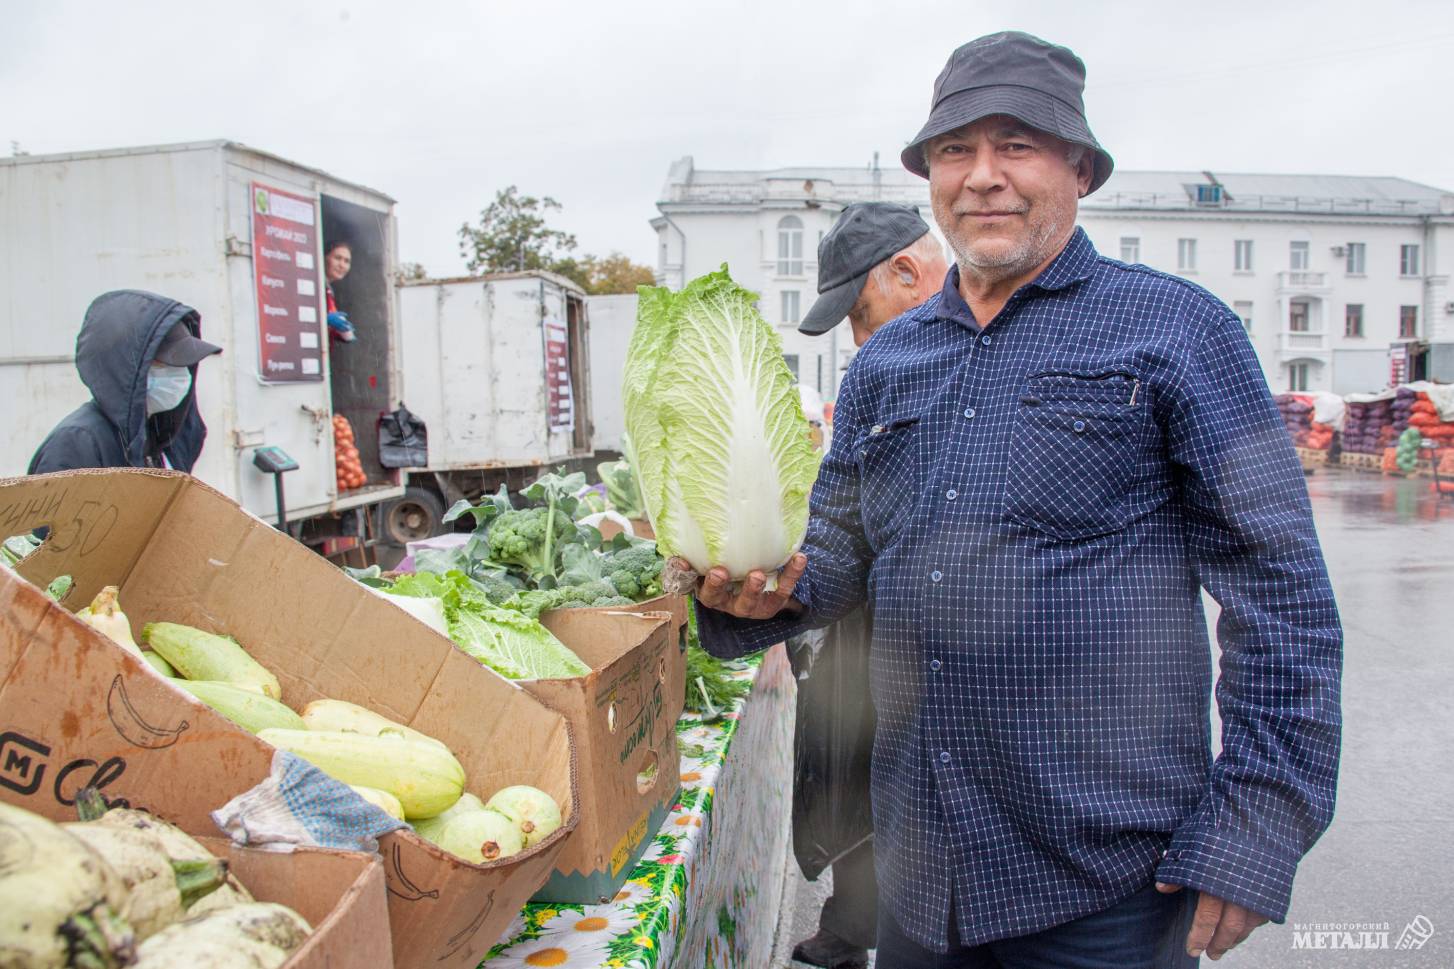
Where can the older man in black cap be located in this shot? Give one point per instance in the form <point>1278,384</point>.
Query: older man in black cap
<point>877,262</point>
<point>1033,478</point>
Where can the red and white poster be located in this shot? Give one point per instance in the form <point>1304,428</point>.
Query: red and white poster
<point>289,285</point>
<point>1398,365</point>
<point>560,403</point>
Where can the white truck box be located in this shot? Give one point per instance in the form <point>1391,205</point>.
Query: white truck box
<point>177,220</point>
<point>613,318</point>
<point>498,367</point>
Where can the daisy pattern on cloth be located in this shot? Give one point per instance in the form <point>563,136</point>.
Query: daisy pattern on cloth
<point>663,844</point>
<point>572,939</point>
<point>560,945</point>
<point>632,894</point>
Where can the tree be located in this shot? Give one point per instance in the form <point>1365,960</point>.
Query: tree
<point>512,235</point>
<point>616,273</point>
<point>410,272</point>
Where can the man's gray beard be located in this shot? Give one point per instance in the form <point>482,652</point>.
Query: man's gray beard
<point>1021,259</point>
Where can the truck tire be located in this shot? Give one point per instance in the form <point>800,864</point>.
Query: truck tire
<point>413,516</point>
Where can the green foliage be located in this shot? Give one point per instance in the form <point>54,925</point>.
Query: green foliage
<point>512,234</point>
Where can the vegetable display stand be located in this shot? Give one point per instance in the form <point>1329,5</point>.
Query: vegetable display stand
<point>708,891</point>
<point>78,708</point>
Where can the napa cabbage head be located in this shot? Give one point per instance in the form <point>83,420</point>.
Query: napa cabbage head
<point>721,447</point>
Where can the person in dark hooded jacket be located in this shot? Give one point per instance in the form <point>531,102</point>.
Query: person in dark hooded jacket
<point>137,353</point>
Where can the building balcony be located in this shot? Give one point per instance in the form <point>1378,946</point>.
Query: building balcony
<point>1302,281</point>
<point>1313,344</point>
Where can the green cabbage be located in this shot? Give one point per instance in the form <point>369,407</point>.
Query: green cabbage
<point>721,444</point>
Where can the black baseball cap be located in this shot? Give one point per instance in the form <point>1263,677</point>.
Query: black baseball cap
<point>865,234</point>
<point>181,349</point>
<point>1016,74</point>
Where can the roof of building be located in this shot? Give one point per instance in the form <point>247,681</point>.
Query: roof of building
<point>1154,190</point>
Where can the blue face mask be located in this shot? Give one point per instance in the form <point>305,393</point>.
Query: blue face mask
<point>166,387</point>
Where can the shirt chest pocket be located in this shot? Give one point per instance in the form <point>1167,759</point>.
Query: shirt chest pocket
<point>889,477</point>
<point>1077,450</point>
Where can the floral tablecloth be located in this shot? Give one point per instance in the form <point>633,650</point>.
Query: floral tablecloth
<point>706,893</point>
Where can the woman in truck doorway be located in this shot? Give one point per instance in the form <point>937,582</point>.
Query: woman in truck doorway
<point>337,261</point>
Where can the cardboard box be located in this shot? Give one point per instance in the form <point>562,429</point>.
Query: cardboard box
<point>75,708</point>
<point>624,717</point>
<point>340,893</point>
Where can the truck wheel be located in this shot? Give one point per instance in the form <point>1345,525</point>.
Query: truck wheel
<point>413,517</point>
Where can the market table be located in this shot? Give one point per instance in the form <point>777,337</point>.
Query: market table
<point>707,891</point>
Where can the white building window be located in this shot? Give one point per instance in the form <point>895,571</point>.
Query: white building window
<point>1357,258</point>
<point>1186,255</point>
<point>1408,260</point>
<point>1297,255</point>
<point>1408,322</point>
<point>790,246</point>
<point>1297,377</point>
<point>1243,258</point>
<point>790,307</point>
<point>1130,248</point>
<point>1298,317</point>
<point>791,359</point>
<point>1243,309</point>
<point>1353,319</point>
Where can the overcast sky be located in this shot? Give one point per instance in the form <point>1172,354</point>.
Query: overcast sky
<point>441,104</point>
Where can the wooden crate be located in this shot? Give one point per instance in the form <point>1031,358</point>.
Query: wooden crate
<point>1362,462</point>
<point>1312,458</point>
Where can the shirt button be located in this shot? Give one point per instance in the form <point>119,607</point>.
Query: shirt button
<point>936,575</point>
<point>935,665</point>
<point>951,494</point>
<point>944,757</point>
<point>985,340</point>
<point>969,413</point>
<point>1079,427</point>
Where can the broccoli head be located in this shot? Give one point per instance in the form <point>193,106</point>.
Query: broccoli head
<point>635,571</point>
<point>529,539</point>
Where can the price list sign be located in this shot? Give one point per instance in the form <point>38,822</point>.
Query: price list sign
<point>560,403</point>
<point>285,266</point>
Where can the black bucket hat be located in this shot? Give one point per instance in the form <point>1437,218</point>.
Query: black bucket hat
<point>865,234</point>
<point>1016,74</point>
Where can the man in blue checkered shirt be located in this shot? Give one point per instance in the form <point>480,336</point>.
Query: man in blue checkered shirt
<point>1034,476</point>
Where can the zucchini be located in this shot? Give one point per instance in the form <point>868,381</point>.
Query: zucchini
<point>160,665</point>
<point>59,902</point>
<point>481,836</point>
<point>250,711</point>
<point>382,800</point>
<point>199,655</point>
<point>430,828</point>
<point>424,777</point>
<point>352,718</point>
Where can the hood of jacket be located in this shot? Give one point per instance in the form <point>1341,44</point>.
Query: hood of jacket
<point>118,341</point>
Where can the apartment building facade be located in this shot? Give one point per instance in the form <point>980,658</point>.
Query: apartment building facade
<point>1341,281</point>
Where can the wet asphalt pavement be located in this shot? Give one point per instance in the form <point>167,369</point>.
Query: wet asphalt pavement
<point>1388,857</point>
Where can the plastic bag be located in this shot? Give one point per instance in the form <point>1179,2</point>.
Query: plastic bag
<point>403,440</point>
<point>833,743</point>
